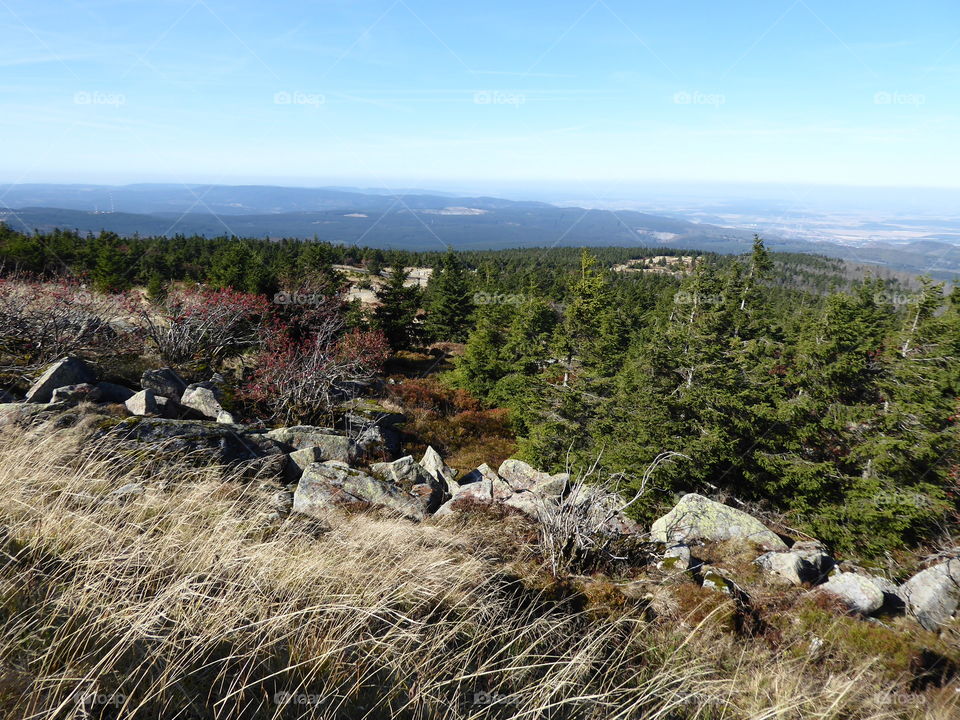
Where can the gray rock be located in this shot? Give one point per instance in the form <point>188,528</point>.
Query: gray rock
<point>696,518</point>
<point>805,562</point>
<point>405,472</point>
<point>201,398</point>
<point>676,558</point>
<point>522,476</point>
<point>300,460</point>
<point>378,443</point>
<point>334,483</point>
<point>226,418</point>
<point>858,592</point>
<point>172,410</point>
<point>494,487</point>
<point>76,393</point>
<point>69,371</point>
<point>933,595</point>
<point>433,464</point>
<point>553,486</point>
<point>17,413</point>
<point>480,490</point>
<point>533,504</point>
<point>603,510</point>
<point>113,393</point>
<point>332,446</point>
<point>143,403</point>
<point>713,580</point>
<point>165,382</point>
<point>204,440</point>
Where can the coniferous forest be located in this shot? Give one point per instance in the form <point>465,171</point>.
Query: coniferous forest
<point>795,385</point>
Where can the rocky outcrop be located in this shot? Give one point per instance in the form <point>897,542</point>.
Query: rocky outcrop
<point>699,519</point>
<point>330,445</point>
<point>433,464</point>
<point>76,393</point>
<point>203,440</point>
<point>407,474</point>
<point>858,592</point>
<point>69,371</point>
<point>164,382</point>
<point>332,483</point>
<point>932,596</point>
<point>522,476</point>
<point>805,562</point>
<point>143,403</point>
<point>202,398</point>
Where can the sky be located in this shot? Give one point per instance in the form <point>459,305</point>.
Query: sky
<point>422,93</point>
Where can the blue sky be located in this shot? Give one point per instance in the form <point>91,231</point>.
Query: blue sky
<point>425,93</point>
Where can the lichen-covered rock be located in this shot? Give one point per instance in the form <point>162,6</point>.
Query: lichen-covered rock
<point>331,445</point>
<point>409,475</point>
<point>521,476</point>
<point>76,393</point>
<point>433,464</point>
<point>405,472</point>
<point>933,595</point>
<point>203,399</point>
<point>696,518</point>
<point>713,580</point>
<point>201,440</point>
<point>300,460</point>
<point>603,510</point>
<point>69,371</point>
<point>143,403</point>
<point>856,591</point>
<point>226,418</point>
<point>805,562</point>
<point>493,486</point>
<point>676,558</point>
<point>165,382</point>
<point>334,483</point>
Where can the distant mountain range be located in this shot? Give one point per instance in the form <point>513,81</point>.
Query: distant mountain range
<point>414,220</point>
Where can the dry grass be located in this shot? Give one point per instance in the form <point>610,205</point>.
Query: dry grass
<point>188,602</point>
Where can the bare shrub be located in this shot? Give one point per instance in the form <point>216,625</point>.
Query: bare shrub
<point>202,325</point>
<point>587,528</point>
<point>43,321</point>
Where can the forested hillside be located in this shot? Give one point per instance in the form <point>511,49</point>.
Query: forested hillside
<point>790,381</point>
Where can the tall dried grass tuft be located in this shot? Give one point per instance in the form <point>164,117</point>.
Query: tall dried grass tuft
<point>180,597</point>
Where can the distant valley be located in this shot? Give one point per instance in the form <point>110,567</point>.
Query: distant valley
<point>424,220</point>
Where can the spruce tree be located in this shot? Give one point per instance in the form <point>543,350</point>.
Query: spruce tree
<point>397,310</point>
<point>449,304</point>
